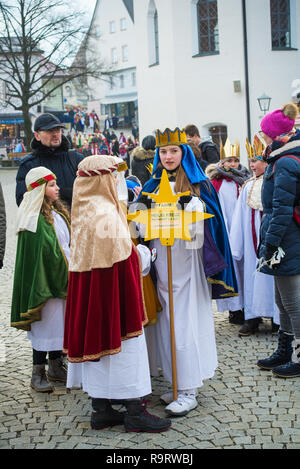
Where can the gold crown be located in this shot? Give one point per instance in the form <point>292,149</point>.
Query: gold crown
<point>228,150</point>
<point>171,137</point>
<point>257,149</point>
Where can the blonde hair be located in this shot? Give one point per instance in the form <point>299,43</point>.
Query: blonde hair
<point>290,110</point>
<point>47,207</point>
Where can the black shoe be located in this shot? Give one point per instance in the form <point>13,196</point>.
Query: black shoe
<point>289,370</point>
<point>274,327</point>
<point>104,415</point>
<point>282,355</point>
<point>236,317</point>
<point>249,327</point>
<point>138,419</point>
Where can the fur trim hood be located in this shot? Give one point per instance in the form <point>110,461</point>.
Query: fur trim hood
<point>212,172</point>
<point>139,153</point>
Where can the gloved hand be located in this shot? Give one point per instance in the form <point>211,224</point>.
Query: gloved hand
<point>270,251</point>
<point>184,200</point>
<point>144,203</point>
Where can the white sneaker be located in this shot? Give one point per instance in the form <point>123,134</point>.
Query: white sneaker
<point>184,404</point>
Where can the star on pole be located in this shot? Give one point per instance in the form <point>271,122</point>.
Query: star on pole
<point>165,221</point>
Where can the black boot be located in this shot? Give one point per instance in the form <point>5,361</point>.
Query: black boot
<point>249,327</point>
<point>236,317</point>
<point>282,355</point>
<point>138,419</point>
<point>104,415</point>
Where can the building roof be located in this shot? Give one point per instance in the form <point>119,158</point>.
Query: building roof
<point>129,5</point>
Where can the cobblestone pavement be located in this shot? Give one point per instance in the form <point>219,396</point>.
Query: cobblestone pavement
<point>241,407</point>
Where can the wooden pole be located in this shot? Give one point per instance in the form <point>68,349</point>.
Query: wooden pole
<point>172,328</point>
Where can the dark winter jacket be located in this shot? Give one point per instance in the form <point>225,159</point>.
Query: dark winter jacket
<point>209,152</point>
<point>62,162</point>
<point>280,193</point>
<point>2,227</point>
<point>141,158</point>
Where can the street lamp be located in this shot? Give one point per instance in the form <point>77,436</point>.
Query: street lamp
<point>264,103</point>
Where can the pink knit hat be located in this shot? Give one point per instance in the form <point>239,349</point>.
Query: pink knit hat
<point>280,121</point>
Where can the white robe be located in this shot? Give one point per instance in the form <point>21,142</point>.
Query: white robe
<point>47,335</point>
<point>125,375</point>
<point>196,353</point>
<point>228,196</point>
<point>259,297</point>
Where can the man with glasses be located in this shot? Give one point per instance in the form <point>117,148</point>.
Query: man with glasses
<point>51,150</point>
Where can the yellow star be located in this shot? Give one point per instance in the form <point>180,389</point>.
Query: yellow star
<point>165,221</point>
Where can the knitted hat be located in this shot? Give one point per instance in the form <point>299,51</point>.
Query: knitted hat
<point>280,121</point>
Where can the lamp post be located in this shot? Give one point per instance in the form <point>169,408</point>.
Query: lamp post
<point>264,103</point>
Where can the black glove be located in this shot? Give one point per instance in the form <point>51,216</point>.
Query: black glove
<point>270,251</point>
<point>144,203</point>
<point>1,264</point>
<point>184,200</point>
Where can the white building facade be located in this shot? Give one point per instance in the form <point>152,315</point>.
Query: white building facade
<point>113,27</point>
<point>206,62</point>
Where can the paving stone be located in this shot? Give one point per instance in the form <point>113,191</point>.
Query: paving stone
<point>241,407</point>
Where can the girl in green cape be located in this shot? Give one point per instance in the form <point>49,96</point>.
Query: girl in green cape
<point>41,275</point>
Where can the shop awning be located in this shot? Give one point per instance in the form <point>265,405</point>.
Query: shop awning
<point>119,99</point>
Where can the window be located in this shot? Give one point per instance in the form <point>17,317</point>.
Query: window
<point>133,78</point>
<point>156,39</point>
<point>111,83</point>
<point>121,81</point>
<point>112,26</point>
<point>123,24</point>
<point>281,24</point>
<point>153,34</point>
<point>114,55</point>
<point>218,133</point>
<point>69,91</point>
<point>125,53</point>
<point>208,29</point>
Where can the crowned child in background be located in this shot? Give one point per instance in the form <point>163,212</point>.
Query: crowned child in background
<point>258,288</point>
<point>227,177</point>
<point>41,275</point>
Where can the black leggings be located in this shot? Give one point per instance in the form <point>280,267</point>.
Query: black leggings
<point>40,358</point>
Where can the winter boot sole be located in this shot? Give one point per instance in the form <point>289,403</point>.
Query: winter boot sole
<point>59,380</point>
<point>49,390</point>
<point>140,430</point>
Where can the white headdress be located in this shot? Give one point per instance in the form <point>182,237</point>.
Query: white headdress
<point>29,210</point>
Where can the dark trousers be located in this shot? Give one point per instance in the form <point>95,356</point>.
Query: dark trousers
<point>40,358</point>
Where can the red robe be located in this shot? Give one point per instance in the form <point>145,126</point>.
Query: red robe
<point>104,307</point>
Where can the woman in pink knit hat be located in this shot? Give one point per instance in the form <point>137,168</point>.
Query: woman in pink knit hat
<point>279,249</point>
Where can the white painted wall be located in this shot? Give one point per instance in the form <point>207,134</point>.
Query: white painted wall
<point>106,41</point>
<point>184,89</point>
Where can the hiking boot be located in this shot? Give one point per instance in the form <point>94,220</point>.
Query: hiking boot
<point>39,380</point>
<point>186,402</point>
<point>282,355</point>
<point>292,368</point>
<point>249,327</point>
<point>138,419</point>
<point>236,317</point>
<point>104,415</point>
<point>57,370</point>
<point>274,327</point>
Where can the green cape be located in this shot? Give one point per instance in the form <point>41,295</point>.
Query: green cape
<point>41,273</point>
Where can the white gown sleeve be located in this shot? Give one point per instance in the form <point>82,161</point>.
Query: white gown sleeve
<point>145,256</point>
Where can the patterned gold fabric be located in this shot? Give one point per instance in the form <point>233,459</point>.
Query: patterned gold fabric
<point>100,235</point>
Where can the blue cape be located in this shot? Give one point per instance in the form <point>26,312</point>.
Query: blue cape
<point>217,257</point>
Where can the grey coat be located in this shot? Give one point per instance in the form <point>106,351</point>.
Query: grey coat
<point>2,226</point>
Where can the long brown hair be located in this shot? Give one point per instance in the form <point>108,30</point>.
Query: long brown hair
<point>47,207</point>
